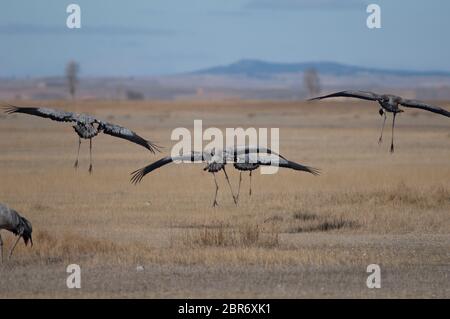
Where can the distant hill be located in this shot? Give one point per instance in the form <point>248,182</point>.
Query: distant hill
<point>245,79</point>
<point>258,68</point>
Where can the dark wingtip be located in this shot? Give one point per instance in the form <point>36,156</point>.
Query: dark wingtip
<point>152,147</point>
<point>314,171</point>
<point>299,167</point>
<point>137,176</point>
<point>8,108</point>
<point>314,98</point>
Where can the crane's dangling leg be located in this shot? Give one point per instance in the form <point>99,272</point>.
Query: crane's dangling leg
<point>229,184</point>
<point>90,156</point>
<point>217,190</point>
<point>382,126</point>
<point>78,153</point>
<point>250,191</point>
<point>1,248</point>
<point>239,186</point>
<point>392,139</point>
<point>14,246</point>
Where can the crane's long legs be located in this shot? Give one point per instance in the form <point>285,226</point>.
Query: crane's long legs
<point>78,153</point>
<point>217,190</point>
<point>229,184</point>
<point>90,156</point>
<point>392,139</point>
<point>382,128</point>
<point>1,248</point>
<point>14,246</point>
<point>239,186</point>
<point>250,191</point>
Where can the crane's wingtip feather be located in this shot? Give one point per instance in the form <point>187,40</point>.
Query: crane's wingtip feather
<point>8,108</point>
<point>137,176</point>
<point>152,147</point>
<point>134,172</point>
<point>135,180</point>
<point>314,171</point>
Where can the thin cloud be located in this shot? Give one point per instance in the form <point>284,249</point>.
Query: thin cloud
<point>31,29</point>
<point>288,5</point>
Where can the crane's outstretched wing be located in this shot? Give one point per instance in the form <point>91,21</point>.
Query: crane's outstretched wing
<point>123,132</point>
<point>365,95</point>
<point>139,174</point>
<point>233,153</point>
<point>56,115</point>
<point>271,160</point>
<point>424,106</point>
<point>254,149</point>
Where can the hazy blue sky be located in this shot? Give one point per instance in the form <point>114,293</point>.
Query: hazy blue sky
<point>151,37</point>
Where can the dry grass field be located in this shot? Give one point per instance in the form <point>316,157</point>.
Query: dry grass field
<point>297,236</point>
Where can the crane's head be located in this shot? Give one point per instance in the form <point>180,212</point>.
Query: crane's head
<point>27,229</point>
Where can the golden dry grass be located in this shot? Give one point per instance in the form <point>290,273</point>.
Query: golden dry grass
<point>297,236</point>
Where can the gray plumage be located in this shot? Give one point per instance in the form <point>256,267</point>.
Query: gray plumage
<point>389,103</point>
<point>86,127</point>
<point>244,158</point>
<point>12,221</point>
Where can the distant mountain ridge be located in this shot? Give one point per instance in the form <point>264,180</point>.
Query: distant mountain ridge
<point>244,79</point>
<point>259,68</point>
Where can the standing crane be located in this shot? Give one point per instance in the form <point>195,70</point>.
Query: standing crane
<point>86,126</point>
<point>388,103</point>
<point>216,160</point>
<point>11,220</point>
